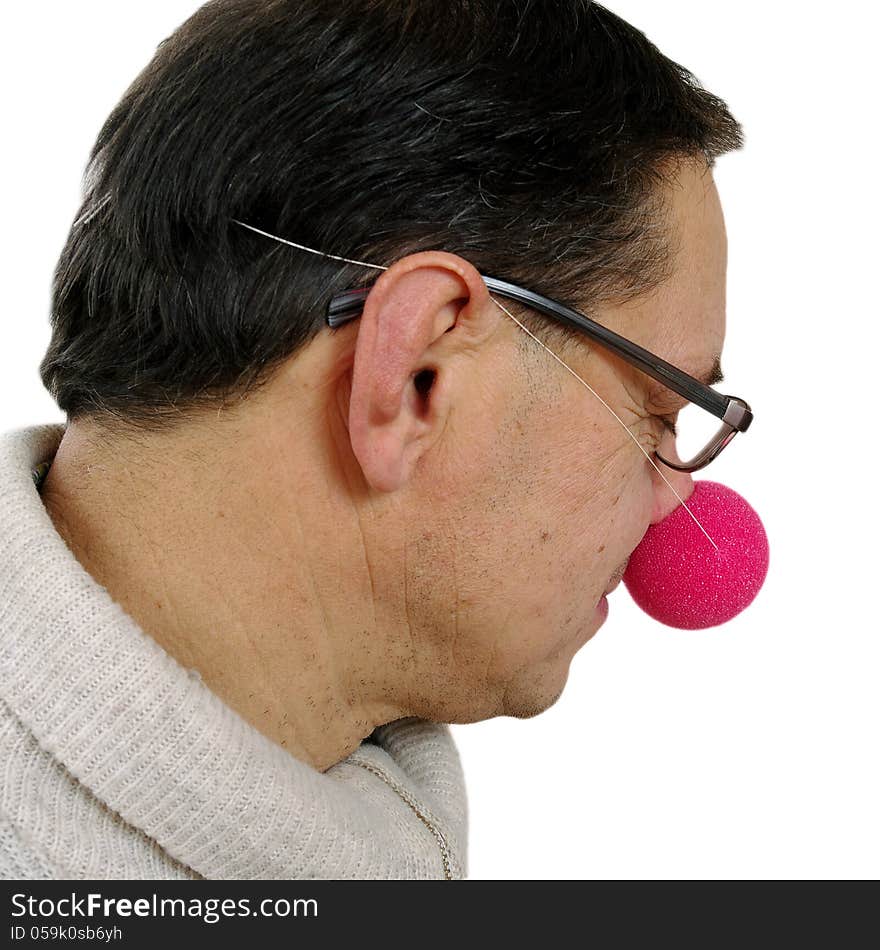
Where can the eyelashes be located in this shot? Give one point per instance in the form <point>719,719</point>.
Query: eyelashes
<point>668,423</point>
<point>654,423</point>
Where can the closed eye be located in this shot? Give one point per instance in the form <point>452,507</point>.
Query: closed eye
<point>669,423</point>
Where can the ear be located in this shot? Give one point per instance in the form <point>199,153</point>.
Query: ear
<point>420,316</point>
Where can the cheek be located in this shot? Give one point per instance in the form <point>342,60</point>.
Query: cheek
<point>553,511</point>
<point>601,477</point>
<point>609,514</point>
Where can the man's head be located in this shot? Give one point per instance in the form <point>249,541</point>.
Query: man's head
<point>459,500</point>
<point>521,494</point>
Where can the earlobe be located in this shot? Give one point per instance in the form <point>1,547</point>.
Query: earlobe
<point>404,360</point>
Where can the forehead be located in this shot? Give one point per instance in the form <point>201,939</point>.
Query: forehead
<point>683,320</point>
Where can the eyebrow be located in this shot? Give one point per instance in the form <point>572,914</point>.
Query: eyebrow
<point>713,375</point>
<point>663,396</point>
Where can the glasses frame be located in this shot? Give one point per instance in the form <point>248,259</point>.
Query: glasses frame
<point>735,413</point>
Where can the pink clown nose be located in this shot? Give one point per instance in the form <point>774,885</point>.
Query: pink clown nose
<point>677,577</point>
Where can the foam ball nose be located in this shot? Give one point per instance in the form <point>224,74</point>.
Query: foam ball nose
<point>677,577</point>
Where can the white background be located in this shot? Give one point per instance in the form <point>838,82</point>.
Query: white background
<point>749,750</point>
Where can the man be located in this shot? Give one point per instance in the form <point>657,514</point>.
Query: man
<point>269,561</point>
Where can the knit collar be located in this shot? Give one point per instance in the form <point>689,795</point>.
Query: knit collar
<point>150,740</point>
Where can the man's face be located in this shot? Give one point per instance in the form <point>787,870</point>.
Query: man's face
<point>541,496</point>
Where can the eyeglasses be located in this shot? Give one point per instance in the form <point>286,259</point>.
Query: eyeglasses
<point>735,414</point>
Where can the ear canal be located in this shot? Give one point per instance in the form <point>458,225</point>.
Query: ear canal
<point>423,381</point>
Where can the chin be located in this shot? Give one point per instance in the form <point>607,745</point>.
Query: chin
<point>525,699</point>
<point>529,707</point>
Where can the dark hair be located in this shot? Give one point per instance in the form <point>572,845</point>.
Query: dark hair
<point>530,138</point>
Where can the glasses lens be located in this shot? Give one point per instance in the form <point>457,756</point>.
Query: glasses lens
<point>695,429</point>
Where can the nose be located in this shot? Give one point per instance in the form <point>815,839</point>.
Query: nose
<point>665,501</point>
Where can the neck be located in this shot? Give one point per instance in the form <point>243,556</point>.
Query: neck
<point>245,577</point>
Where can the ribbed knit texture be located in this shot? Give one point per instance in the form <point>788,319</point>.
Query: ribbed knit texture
<point>119,763</point>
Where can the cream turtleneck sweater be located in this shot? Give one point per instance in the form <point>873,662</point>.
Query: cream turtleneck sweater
<point>118,763</point>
